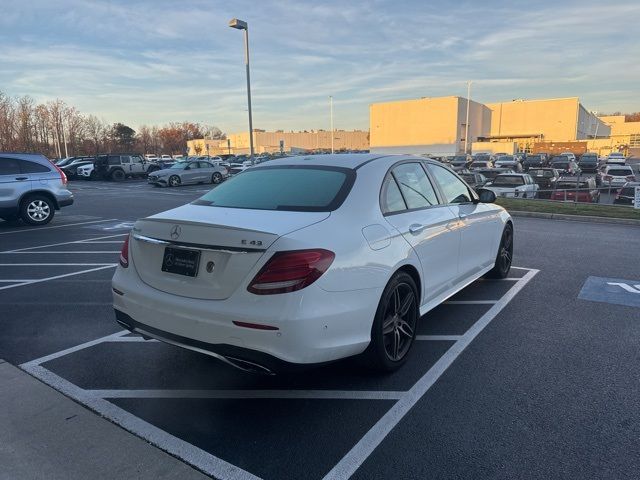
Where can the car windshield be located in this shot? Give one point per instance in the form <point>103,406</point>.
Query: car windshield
<point>290,188</point>
<point>508,181</point>
<point>179,166</point>
<point>560,164</point>
<point>459,158</point>
<point>479,164</point>
<point>506,158</point>
<point>533,159</point>
<point>628,191</point>
<point>541,173</point>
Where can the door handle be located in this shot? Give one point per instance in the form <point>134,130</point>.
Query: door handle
<point>416,228</point>
<point>22,178</point>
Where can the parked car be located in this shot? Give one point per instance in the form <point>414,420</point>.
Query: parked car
<point>616,158</point>
<point>186,173</point>
<point>491,173</point>
<point>533,161</point>
<point>576,189</point>
<point>474,180</point>
<point>565,165</point>
<point>627,194</point>
<point>570,155</point>
<point>476,164</point>
<point>86,171</point>
<point>519,185</point>
<point>546,179</point>
<point>588,162</point>
<point>615,176</point>
<point>118,167</point>
<point>31,188</point>
<point>166,157</point>
<point>288,264</point>
<point>70,169</point>
<point>508,161</point>
<point>459,162</point>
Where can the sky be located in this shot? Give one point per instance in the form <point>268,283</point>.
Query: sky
<point>157,61</point>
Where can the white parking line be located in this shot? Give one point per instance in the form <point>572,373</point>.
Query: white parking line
<point>197,457</point>
<point>40,280</point>
<point>367,444</point>
<point>59,226</point>
<point>85,240</point>
<point>250,394</point>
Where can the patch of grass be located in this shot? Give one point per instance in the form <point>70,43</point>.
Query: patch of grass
<point>569,208</point>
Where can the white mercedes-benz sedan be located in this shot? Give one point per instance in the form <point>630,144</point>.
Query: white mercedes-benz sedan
<point>306,260</point>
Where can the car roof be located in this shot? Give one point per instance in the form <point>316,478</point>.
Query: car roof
<point>347,160</point>
<point>26,156</point>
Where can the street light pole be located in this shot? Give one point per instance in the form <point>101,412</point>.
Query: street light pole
<point>242,25</point>
<point>466,125</point>
<point>331,116</point>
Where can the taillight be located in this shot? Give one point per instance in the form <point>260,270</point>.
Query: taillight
<point>63,177</point>
<point>124,253</point>
<point>291,271</point>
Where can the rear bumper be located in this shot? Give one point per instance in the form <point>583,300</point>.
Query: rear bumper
<point>313,325</point>
<point>65,202</point>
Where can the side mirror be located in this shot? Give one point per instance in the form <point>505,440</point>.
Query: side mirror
<point>486,196</point>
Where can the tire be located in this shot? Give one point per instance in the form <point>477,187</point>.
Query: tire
<point>216,178</point>
<point>37,210</point>
<point>505,255</point>
<point>389,351</point>
<point>118,175</point>
<point>174,181</point>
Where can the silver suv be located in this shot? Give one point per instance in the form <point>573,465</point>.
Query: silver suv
<point>31,187</point>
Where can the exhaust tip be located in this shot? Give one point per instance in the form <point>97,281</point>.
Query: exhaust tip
<point>249,367</point>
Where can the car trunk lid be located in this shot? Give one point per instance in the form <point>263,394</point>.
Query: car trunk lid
<point>217,246</point>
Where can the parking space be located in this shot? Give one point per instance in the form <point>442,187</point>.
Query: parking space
<point>229,424</point>
<point>480,360</point>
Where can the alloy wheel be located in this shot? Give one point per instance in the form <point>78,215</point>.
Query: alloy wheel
<point>399,322</point>
<point>38,210</point>
<point>506,249</point>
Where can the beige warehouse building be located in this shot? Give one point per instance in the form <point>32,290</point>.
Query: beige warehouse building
<point>263,141</point>
<point>437,125</point>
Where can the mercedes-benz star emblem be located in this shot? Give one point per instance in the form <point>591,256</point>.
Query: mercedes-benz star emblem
<point>176,230</point>
<point>168,260</point>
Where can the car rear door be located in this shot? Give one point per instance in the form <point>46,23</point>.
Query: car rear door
<point>410,204</point>
<point>39,175</point>
<point>136,167</point>
<point>13,184</point>
<point>477,223</point>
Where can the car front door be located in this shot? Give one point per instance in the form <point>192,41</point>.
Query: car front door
<point>190,173</point>
<point>410,204</point>
<point>478,223</point>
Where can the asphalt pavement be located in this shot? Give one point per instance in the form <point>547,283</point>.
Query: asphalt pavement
<point>533,377</point>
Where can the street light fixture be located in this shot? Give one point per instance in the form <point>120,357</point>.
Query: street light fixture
<point>242,25</point>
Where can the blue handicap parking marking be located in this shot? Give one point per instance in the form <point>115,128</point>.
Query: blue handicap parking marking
<point>619,291</point>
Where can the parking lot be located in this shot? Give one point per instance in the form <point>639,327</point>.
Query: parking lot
<point>535,375</point>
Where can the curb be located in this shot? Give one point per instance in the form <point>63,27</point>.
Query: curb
<point>576,218</point>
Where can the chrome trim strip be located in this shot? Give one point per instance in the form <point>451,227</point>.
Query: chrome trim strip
<point>199,248</point>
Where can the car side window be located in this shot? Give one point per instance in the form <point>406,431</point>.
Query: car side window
<point>136,159</point>
<point>453,189</point>
<point>9,166</point>
<point>415,186</point>
<point>32,167</point>
<point>114,160</point>
<point>125,158</point>
<point>390,197</point>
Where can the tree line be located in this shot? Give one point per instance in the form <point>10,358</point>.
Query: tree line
<point>56,130</point>
<point>628,117</point>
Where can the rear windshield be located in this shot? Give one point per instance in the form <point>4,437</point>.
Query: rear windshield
<point>572,185</point>
<point>541,173</point>
<point>289,188</point>
<point>628,191</point>
<point>619,172</point>
<point>508,180</point>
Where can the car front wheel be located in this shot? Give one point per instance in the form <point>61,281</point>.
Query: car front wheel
<point>37,210</point>
<point>505,255</point>
<point>174,181</point>
<point>216,178</point>
<point>394,326</point>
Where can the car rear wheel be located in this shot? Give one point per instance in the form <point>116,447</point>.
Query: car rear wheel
<point>394,326</point>
<point>37,210</point>
<point>118,175</point>
<point>174,181</point>
<point>216,178</point>
<point>505,255</point>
